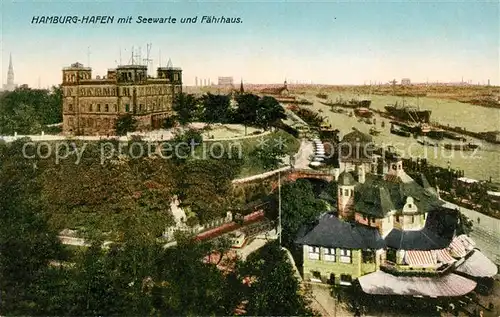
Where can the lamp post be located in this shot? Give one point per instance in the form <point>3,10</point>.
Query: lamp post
<point>279,206</point>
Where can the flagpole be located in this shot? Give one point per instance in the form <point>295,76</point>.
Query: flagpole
<point>279,206</point>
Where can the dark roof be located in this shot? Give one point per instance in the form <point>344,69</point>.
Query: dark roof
<point>356,147</point>
<point>422,181</point>
<point>357,136</point>
<point>374,201</point>
<point>346,179</point>
<point>331,232</point>
<point>423,240</point>
<point>376,196</point>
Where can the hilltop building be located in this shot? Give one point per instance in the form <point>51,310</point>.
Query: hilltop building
<point>225,82</point>
<point>405,82</point>
<point>277,91</point>
<point>10,77</point>
<point>282,94</point>
<point>391,234</point>
<point>91,106</point>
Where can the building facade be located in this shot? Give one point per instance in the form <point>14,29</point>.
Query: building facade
<point>225,81</point>
<point>91,106</point>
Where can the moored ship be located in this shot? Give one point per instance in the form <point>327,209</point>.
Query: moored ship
<point>352,103</point>
<point>408,113</point>
<point>461,146</point>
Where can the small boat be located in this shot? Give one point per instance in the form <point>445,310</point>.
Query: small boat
<point>399,131</point>
<point>436,134</point>
<point>461,146</point>
<point>363,113</point>
<point>374,131</point>
<point>453,136</point>
<point>426,143</point>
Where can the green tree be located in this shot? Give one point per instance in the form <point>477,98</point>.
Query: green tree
<point>126,123</point>
<point>27,244</point>
<point>268,156</point>
<point>299,207</point>
<point>246,113</point>
<point>216,108</point>
<point>27,110</point>
<point>269,111</point>
<point>185,107</point>
<point>276,291</point>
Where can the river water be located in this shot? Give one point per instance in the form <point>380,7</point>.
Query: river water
<point>481,164</point>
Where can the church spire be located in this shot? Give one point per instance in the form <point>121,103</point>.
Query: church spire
<point>10,77</point>
<point>10,72</point>
<point>241,87</point>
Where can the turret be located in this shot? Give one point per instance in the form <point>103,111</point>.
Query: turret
<point>345,195</point>
<point>394,166</point>
<point>171,73</point>
<point>413,219</point>
<point>75,73</point>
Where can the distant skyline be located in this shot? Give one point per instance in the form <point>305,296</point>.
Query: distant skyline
<point>322,42</point>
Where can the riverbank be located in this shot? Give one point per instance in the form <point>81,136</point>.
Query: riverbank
<point>485,231</point>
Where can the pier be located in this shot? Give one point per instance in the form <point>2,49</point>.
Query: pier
<point>488,136</point>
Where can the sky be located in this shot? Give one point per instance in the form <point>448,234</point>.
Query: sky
<point>319,42</point>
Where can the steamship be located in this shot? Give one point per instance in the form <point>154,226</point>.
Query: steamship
<point>408,113</point>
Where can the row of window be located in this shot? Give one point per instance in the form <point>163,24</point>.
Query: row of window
<point>344,256</point>
<point>71,77</point>
<point>124,91</point>
<point>113,108</point>
<point>347,192</point>
<point>330,254</point>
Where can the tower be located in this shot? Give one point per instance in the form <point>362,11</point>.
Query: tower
<point>10,77</point>
<point>395,166</point>
<point>241,87</point>
<point>345,195</point>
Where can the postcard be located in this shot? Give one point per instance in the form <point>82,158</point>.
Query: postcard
<point>217,158</point>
